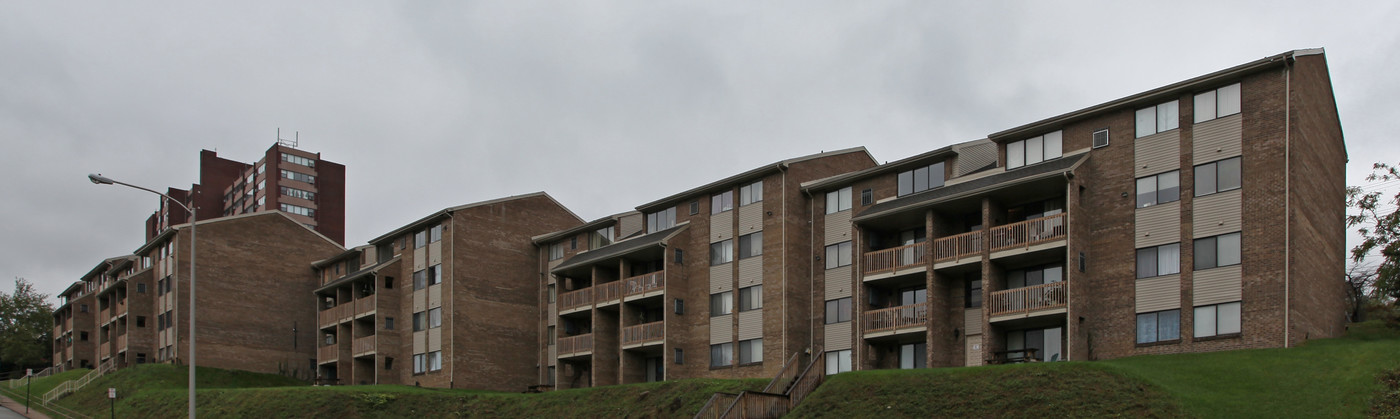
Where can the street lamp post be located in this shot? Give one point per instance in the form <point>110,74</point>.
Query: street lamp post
<point>100,180</point>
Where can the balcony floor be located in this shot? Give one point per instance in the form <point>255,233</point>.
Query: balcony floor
<point>896,333</point>
<point>1020,251</point>
<point>1028,314</point>
<point>907,270</point>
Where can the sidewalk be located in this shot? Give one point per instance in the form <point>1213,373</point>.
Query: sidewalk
<point>18,409</point>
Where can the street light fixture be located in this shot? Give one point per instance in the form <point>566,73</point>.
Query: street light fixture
<point>101,180</point>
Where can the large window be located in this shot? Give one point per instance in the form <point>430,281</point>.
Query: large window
<point>434,361</point>
<point>750,245</point>
<point>1218,176</point>
<point>420,363</point>
<point>420,239</point>
<point>1155,119</point>
<point>1034,150</point>
<point>435,234</point>
<point>1218,319</point>
<point>838,310</point>
<point>420,321</point>
<point>661,220</point>
<point>420,280</point>
<point>298,176</point>
<point>838,255</point>
<point>721,303</point>
<point>435,318</point>
<point>920,179</point>
<point>751,298</point>
<point>973,297</point>
<point>435,274</point>
<point>556,251</point>
<point>1222,250</point>
<point>1159,260</point>
<point>837,201</point>
<point>298,193</point>
<point>1159,189</point>
<point>1159,326</point>
<point>291,158</point>
<point>721,252</point>
<point>722,202</point>
<point>1216,103</point>
<point>601,237</point>
<point>838,361</point>
<point>751,193</point>
<point>750,351</point>
<point>721,355</point>
<point>298,210</point>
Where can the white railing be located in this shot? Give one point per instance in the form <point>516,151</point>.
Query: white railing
<point>71,386</point>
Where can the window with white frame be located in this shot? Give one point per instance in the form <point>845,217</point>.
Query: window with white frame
<point>1217,251</point>
<point>1224,101</point>
<point>600,237</point>
<point>1217,319</point>
<point>1035,150</point>
<point>751,193</point>
<point>298,210</point>
<point>1159,260</point>
<point>435,361</point>
<point>838,361</point>
<point>839,200</point>
<point>298,193</point>
<point>1217,176</point>
<point>1159,189</point>
<point>298,176</point>
<point>721,303</point>
<point>721,252</point>
<point>920,179</point>
<point>420,239</point>
<point>420,280</point>
<point>838,310</point>
<point>435,234</point>
<point>750,351</point>
<point>420,321</point>
<point>721,355</point>
<point>1155,119</point>
<point>721,202</point>
<point>556,251</point>
<point>435,274</point>
<point>435,318</point>
<point>751,245</point>
<point>661,220</point>
<point>420,364</point>
<point>1159,326</point>
<point>838,255</point>
<point>751,298</point>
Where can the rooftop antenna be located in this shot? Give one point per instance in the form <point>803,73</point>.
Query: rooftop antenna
<point>288,143</point>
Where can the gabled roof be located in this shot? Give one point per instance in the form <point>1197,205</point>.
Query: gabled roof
<point>1018,175</point>
<point>355,251</point>
<point>444,213</point>
<point>621,248</point>
<point>372,269</point>
<point>729,182</point>
<point>589,226</point>
<point>165,235</point>
<point>101,267</point>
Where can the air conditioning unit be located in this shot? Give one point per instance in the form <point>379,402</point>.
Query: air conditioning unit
<point>1101,138</point>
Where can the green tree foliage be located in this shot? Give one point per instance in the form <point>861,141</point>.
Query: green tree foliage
<point>26,327</point>
<point>1377,219</point>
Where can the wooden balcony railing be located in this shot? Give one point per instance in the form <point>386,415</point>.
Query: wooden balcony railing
<point>642,284</point>
<point>608,291</point>
<point>643,333</point>
<point>575,299</point>
<point>121,343</point>
<point>965,245</point>
<point>575,344</point>
<point>327,353</point>
<point>103,350</point>
<point>894,318</point>
<point>1027,299</point>
<point>1028,233</point>
<point>892,259</point>
<point>365,305</point>
<point>363,345</point>
<point>328,316</point>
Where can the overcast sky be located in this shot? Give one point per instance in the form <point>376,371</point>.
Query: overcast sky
<point>603,105</point>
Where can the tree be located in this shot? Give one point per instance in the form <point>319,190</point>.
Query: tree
<point>1378,220</point>
<point>26,327</point>
<point>1360,282</point>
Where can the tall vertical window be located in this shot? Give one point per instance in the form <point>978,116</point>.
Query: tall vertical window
<point>435,317</point>
<point>721,355</point>
<point>750,351</point>
<point>420,239</point>
<point>1155,119</point>
<point>1159,260</point>
<point>1222,250</point>
<point>973,297</point>
<point>838,255</point>
<point>866,197</point>
<point>1159,326</point>
<point>420,364</point>
<point>435,234</point>
<point>839,200</point>
<point>1218,176</point>
<point>556,251</point>
<point>722,202</point>
<point>1224,101</point>
<point>420,321</point>
<point>420,280</point>
<point>1035,150</point>
<point>600,237</point>
<point>838,310</point>
<point>434,361</point>
<point>721,252</point>
<point>435,274</point>
<point>751,193</point>
<point>661,220</point>
<point>721,303</point>
<point>751,298</point>
<point>1218,319</point>
<point>838,361</point>
<point>920,179</point>
<point>750,245</point>
<point>1159,189</point>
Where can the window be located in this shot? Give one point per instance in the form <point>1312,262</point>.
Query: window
<point>1219,176</point>
<point>751,193</point>
<point>556,251</point>
<point>298,193</point>
<point>298,210</point>
<point>435,234</point>
<point>330,339</point>
<point>141,287</point>
<point>680,356</point>
<point>679,306</point>
<point>721,303</point>
<point>751,298</point>
<point>722,202</point>
<point>1218,319</point>
<point>300,177</point>
<point>419,322</point>
<point>420,239</point>
<point>661,220</point>
<point>1216,103</point>
<point>420,280</point>
<point>550,335</point>
<point>388,363</point>
<point>435,318</point>
<point>721,355</point>
<point>1158,261</point>
<point>573,243</point>
<point>600,237</point>
<point>680,256</point>
<point>838,361</point>
<point>694,207</point>
<point>140,321</point>
<point>1155,119</point>
<point>553,294</point>
<point>837,201</point>
<point>83,308</point>
<point>750,245</point>
<point>1101,138</point>
<point>1222,250</point>
<point>1160,326</point>
<point>973,297</point>
<point>420,364</point>
<point>750,351</point>
<point>867,197</point>
<point>83,336</point>
<point>1159,189</point>
<point>721,252</point>
<point>838,310</point>
<point>388,323</point>
<point>435,274</point>
<point>291,158</point>
<point>388,282</point>
<point>838,255</point>
<point>919,180</point>
<point>1034,150</point>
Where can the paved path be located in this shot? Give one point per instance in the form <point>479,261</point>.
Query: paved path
<point>9,409</point>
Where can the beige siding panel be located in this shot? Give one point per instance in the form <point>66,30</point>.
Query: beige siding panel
<point>974,157</point>
<point>553,355</point>
<point>1158,293</point>
<point>420,342</point>
<point>751,218</point>
<point>751,271</point>
<point>838,228</point>
<point>1216,214</point>
<point>420,259</point>
<point>1217,139</point>
<point>553,314</point>
<point>1157,153</point>
<point>1157,225</point>
<point>974,351</point>
<point>554,264</point>
<point>721,278</point>
<point>435,339</point>
<point>838,336</point>
<point>630,224</point>
<point>721,329</point>
<point>420,300</point>
<point>722,226</point>
<point>435,296</point>
<point>751,324</point>
<point>972,321</point>
<point>838,282</point>
<point>434,253</point>
<point>1215,286</point>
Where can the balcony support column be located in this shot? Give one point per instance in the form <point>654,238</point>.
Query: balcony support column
<point>992,280</point>
<point>945,302</point>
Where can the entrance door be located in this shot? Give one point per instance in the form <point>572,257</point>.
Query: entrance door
<point>974,350</point>
<point>912,355</point>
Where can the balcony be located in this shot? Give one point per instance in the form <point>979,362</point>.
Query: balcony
<point>121,343</point>
<point>1028,233</point>
<point>575,299</point>
<point>572,346</point>
<point>894,261</point>
<point>334,315</point>
<point>896,320</point>
<point>327,354</point>
<point>365,306</point>
<point>364,345</point>
<point>643,286</point>
<point>959,248</point>
<point>1029,301</point>
<point>608,293</point>
<point>653,333</point>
